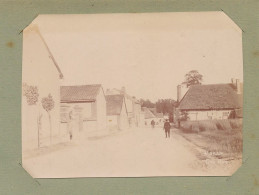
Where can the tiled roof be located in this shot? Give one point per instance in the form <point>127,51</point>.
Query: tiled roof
<point>114,104</point>
<point>118,91</point>
<point>147,113</point>
<point>215,96</point>
<point>79,93</point>
<point>158,115</point>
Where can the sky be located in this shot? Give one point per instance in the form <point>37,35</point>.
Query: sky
<point>148,53</point>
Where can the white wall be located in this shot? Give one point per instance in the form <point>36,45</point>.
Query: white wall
<point>120,122</point>
<point>86,108</point>
<point>137,112</point>
<point>88,114</point>
<point>129,104</point>
<point>123,118</point>
<point>112,122</point>
<point>38,70</point>
<point>206,115</point>
<point>101,110</point>
<point>181,91</point>
<point>142,119</point>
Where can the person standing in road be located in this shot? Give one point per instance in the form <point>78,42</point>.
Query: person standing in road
<point>167,127</point>
<point>153,124</point>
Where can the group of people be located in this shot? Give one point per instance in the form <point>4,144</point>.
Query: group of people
<point>166,127</point>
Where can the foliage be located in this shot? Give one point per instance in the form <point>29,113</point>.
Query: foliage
<point>171,117</point>
<point>184,116</point>
<point>48,103</point>
<point>212,125</point>
<point>165,106</point>
<point>147,103</point>
<point>31,93</point>
<point>193,78</point>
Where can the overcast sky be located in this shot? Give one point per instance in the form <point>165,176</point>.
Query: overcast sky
<point>147,53</point>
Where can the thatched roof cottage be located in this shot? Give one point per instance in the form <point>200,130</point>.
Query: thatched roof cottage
<point>214,101</point>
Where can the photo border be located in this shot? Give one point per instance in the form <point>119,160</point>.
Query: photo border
<point>15,15</point>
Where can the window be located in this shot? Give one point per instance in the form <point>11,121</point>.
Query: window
<point>225,113</point>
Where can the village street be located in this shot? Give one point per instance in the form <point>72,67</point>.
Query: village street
<point>134,152</point>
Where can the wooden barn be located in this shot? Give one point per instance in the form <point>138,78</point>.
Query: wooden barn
<point>214,101</point>
<point>117,115</point>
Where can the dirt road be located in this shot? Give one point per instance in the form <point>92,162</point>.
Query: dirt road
<point>133,153</point>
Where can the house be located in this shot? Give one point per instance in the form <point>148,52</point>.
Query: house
<point>117,115</point>
<point>87,104</point>
<point>214,101</point>
<point>132,104</point>
<point>159,116</point>
<point>149,116</point>
<point>41,77</point>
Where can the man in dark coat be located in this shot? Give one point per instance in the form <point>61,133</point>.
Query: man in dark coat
<point>167,127</point>
<point>153,123</point>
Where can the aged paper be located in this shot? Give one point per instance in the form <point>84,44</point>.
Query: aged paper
<point>132,95</point>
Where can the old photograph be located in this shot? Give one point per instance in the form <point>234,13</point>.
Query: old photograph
<point>132,95</point>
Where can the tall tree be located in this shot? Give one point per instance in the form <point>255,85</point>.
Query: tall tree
<point>193,78</point>
<point>48,104</point>
<point>32,95</point>
<point>165,106</point>
<point>147,103</point>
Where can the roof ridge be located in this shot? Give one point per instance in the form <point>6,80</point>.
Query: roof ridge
<point>216,96</point>
<point>80,92</point>
<point>114,95</point>
<point>211,84</point>
<point>81,85</point>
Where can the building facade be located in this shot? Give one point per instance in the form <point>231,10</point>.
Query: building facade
<point>84,106</point>
<point>132,104</point>
<point>41,77</point>
<point>214,101</point>
<point>117,115</point>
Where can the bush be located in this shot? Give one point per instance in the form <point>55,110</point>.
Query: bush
<point>211,125</point>
<point>219,126</point>
<point>202,127</point>
<point>236,123</point>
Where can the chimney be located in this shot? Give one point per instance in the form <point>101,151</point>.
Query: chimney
<point>179,93</point>
<point>238,86</point>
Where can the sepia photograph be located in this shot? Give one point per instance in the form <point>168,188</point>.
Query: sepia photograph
<point>132,95</point>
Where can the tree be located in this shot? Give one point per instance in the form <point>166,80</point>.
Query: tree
<point>32,95</point>
<point>193,78</point>
<point>48,104</point>
<point>165,106</point>
<point>147,103</point>
<point>171,117</point>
